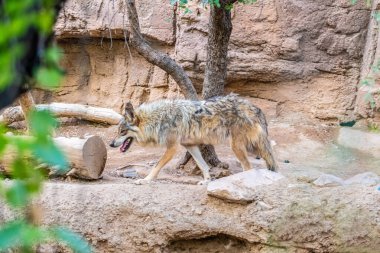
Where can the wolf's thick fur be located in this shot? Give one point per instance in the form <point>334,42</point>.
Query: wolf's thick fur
<point>191,123</point>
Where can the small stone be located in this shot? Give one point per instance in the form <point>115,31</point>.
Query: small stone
<point>286,161</point>
<point>151,163</point>
<point>263,205</point>
<point>367,179</point>
<point>328,180</point>
<point>129,173</point>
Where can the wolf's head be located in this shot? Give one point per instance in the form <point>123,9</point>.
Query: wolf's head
<point>128,129</point>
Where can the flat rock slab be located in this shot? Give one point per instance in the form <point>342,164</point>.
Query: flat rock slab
<point>363,141</point>
<point>328,180</point>
<point>367,179</point>
<point>241,187</point>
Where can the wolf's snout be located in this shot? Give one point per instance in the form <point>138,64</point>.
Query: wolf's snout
<point>112,144</point>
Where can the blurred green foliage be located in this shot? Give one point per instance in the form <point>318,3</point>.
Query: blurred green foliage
<point>17,17</point>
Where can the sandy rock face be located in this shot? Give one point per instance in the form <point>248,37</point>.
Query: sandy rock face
<point>275,41</point>
<point>108,19</point>
<point>302,55</point>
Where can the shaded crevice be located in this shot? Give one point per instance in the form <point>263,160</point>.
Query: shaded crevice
<point>220,243</point>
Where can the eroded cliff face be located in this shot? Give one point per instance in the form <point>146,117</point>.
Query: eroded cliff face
<point>302,55</point>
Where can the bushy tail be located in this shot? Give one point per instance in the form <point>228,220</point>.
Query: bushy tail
<point>259,143</point>
<point>264,149</point>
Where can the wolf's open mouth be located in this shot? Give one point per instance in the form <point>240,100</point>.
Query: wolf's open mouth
<point>126,144</point>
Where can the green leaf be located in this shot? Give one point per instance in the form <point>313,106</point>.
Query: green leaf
<point>229,7</point>
<point>368,82</point>
<point>45,20</point>
<point>49,78</point>
<point>354,1</point>
<point>76,242</point>
<point>32,235</point>
<point>9,234</point>
<point>187,11</point>
<point>17,194</point>
<point>20,234</point>
<point>41,123</point>
<point>49,153</point>
<point>53,55</point>
<point>20,169</point>
<point>369,98</point>
<point>376,15</point>
<point>3,143</point>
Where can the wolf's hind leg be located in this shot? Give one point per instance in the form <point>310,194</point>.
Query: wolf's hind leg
<point>238,147</point>
<point>196,154</point>
<point>168,155</point>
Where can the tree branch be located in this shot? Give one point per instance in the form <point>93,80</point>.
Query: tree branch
<point>157,58</point>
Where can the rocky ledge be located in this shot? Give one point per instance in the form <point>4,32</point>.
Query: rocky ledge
<point>283,216</point>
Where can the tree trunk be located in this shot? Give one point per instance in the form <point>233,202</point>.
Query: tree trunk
<point>219,32</point>
<point>87,157</point>
<point>90,113</point>
<point>27,104</point>
<point>157,58</point>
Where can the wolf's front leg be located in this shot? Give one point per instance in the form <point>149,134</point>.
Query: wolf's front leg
<point>168,155</point>
<point>196,154</point>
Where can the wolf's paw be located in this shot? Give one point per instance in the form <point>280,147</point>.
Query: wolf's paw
<point>142,181</point>
<point>204,182</point>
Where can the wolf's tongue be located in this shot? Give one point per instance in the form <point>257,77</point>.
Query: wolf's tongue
<point>124,147</point>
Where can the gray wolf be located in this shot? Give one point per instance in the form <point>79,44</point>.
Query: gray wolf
<point>171,123</point>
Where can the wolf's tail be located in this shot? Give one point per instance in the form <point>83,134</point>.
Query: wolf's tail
<point>258,142</point>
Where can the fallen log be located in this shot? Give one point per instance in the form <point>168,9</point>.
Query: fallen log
<point>87,157</point>
<point>90,113</point>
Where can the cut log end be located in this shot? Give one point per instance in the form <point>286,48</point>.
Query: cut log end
<point>87,157</point>
<point>95,156</point>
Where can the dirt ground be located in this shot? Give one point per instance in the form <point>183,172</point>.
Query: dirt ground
<point>309,149</point>
<point>179,216</point>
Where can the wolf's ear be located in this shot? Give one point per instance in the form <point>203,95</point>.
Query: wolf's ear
<point>129,112</point>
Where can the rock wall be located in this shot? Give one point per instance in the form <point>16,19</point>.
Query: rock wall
<point>302,55</point>
<point>371,58</point>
